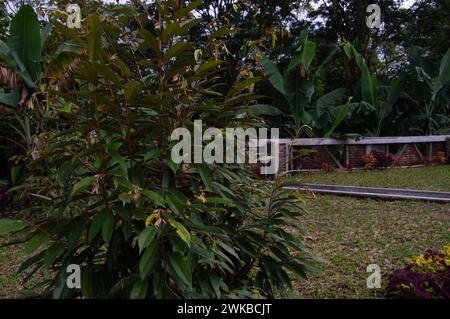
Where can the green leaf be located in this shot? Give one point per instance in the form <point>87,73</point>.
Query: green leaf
<point>81,185</point>
<point>86,283</point>
<point>25,40</point>
<point>181,268</point>
<point>185,10</point>
<point>146,237</point>
<point>273,74</point>
<point>152,154</point>
<point>149,39</point>
<point>10,225</point>
<point>75,232</point>
<point>45,33</point>
<point>343,112</point>
<point>148,259</point>
<point>215,283</point>
<point>308,53</point>
<point>139,290</point>
<point>327,60</point>
<point>125,198</point>
<point>124,69</point>
<point>171,164</point>
<point>305,55</point>
<point>122,283</point>
<point>132,89</point>
<point>53,253</point>
<point>107,227</point>
<point>206,177</point>
<point>395,92</point>
<point>157,198</point>
<point>6,56</point>
<point>228,248</point>
<point>107,73</point>
<point>15,174</point>
<point>266,109</point>
<point>369,85</point>
<point>299,269</point>
<point>10,99</point>
<point>176,49</point>
<point>327,101</point>
<point>170,30</point>
<point>96,225</point>
<point>31,261</point>
<point>243,85</point>
<point>94,37</point>
<point>182,232</point>
<point>207,66</point>
<point>444,75</point>
<point>187,26</point>
<point>60,290</point>
<point>35,243</point>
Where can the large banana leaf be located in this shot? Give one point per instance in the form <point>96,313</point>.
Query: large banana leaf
<point>327,61</point>
<point>308,54</point>
<point>342,113</point>
<point>444,75</point>
<point>5,56</point>
<point>305,54</point>
<point>395,92</point>
<point>369,84</point>
<point>24,41</point>
<point>11,60</point>
<point>298,90</point>
<point>325,102</point>
<point>273,74</point>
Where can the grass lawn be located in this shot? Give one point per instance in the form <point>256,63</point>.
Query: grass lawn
<point>351,233</point>
<point>435,178</point>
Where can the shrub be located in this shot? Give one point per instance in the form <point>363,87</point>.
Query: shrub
<point>111,199</point>
<point>426,276</point>
<point>440,157</point>
<point>378,160</point>
<point>369,160</point>
<point>383,160</point>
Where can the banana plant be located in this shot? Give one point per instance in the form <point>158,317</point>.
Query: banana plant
<point>298,92</point>
<point>21,58</point>
<point>371,95</point>
<point>431,96</point>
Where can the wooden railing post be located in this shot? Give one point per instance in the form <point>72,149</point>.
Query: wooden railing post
<point>447,149</point>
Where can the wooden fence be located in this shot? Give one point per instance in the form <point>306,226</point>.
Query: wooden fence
<point>407,151</point>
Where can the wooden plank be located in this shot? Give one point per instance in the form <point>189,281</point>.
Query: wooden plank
<point>447,148</point>
<point>333,157</point>
<point>376,192</point>
<point>418,151</point>
<point>362,141</point>
<point>347,155</point>
<point>399,154</point>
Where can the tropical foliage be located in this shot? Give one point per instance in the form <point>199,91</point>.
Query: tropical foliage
<point>298,92</point>
<point>108,196</point>
<point>86,117</point>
